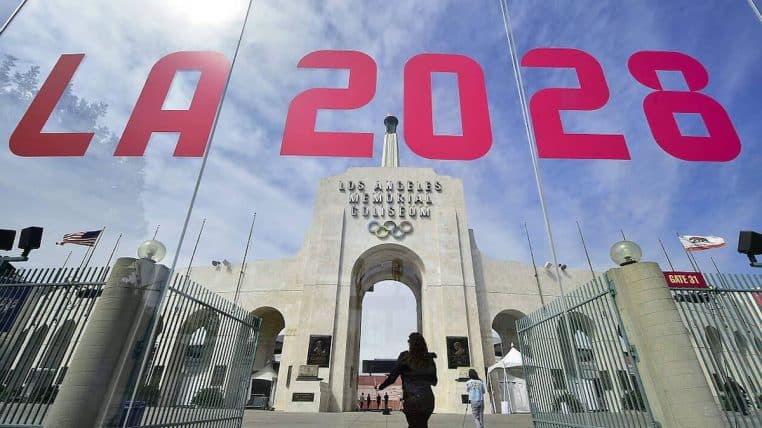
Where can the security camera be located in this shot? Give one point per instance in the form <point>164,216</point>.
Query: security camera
<point>228,265</point>
<point>562,266</point>
<point>548,265</point>
<point>750,243</point>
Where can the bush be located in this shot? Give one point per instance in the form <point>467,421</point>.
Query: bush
<point>572,403</point>
<point>208,397</point>
<point>46,395</point>
<point>632,400</point>
<point>725,402</point>
<point>150,394</point>
<point>6,394</point>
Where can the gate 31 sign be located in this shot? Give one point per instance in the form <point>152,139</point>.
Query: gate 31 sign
<point>300,138</point>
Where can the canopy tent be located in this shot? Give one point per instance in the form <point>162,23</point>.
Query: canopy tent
<point>266,373</point>
<point>511,359</point>
<point>514,388</point>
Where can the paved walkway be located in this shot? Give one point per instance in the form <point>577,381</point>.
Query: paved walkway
<point>263,419</point>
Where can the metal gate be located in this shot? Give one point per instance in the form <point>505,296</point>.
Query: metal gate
<point>725,322</point>
<point>580,368</point>
<point>199,370</point>
<point>43,313</point>
<point>197,373</point>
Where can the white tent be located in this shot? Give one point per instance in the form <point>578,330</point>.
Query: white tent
<point>514,387</point>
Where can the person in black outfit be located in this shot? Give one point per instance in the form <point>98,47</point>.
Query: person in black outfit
<point>362,400</point>
<point>386,401</point>
<point>367,402</point>
<point>419,374</point>
<point>378,401</point>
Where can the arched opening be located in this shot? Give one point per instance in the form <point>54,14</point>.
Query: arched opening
<point>193,350</point>
<point>389,314</point>
<point>506,380</point>
<point>584,375</point>
<point>504,325</point>
<point>386,269</point>
<point>264,373</point>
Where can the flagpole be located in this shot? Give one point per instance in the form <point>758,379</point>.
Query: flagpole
<point>81,263</point>
<point>687,254</point>
<point>243,264</point>
<point>193,255</point>
<point>666,255</point>
<point>13,15</point>
<point>97,241</point>
<point>156,232</point>
<point>67,259</point>
<point>116,245</point>
<point>624,238</point>
<point>589,263</point>
<point>534,266</point>
<point>719,274</point>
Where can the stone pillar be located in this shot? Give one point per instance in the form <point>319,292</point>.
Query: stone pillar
<point>673,380</point>
<point>105,365</point>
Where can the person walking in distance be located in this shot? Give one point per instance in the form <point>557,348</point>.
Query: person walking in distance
<point>362,400</point>
<point>386,401</point>
<point>475,388</point>
<point>419,374</point>
<point>367,402</point>
<point>378,402</point>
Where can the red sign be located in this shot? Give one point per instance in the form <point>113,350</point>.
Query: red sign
<point>685,280</point>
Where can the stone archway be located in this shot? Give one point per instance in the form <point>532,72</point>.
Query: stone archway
<point>266,370</point>
<point>379,263</point>
<point>504,324</point>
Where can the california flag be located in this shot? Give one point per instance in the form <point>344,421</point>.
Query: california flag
<point>697,242</point>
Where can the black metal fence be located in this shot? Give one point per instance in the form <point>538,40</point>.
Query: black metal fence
<point>197,374</point>
<point>200,366</point>
<point>580,368</point>
<point>726,324</point>
<point>42,315</point>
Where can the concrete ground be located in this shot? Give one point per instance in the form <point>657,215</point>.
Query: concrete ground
<point>264,419</point>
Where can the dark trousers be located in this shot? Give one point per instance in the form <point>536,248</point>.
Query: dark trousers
<point>418,408</point>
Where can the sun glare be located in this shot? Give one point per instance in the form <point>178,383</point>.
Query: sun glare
<point>208,11</point>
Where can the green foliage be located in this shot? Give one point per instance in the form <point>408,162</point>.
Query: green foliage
<point>150,394</point>
<point>572,404</point>
<point>208,397</point>
<point>632,400</point>
<point>46,395</point>
<point>5,393</point>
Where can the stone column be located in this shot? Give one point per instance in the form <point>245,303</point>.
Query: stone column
<point>673,380</point>
<point>105,365</point>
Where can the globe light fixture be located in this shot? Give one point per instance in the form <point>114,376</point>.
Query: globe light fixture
<point>152,250</point>
<point>625,253</point>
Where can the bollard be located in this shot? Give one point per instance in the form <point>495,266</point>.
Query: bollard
<point>104,367</point>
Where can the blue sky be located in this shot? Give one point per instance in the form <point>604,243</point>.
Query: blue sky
<point>653,195</point>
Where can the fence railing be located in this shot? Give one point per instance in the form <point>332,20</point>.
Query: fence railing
<point>580,369</point>
<point>43,313</point>
<point>198,370</point>
<point>200,367</point>
<point>726,324</point>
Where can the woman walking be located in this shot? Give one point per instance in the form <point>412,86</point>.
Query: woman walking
<point>419,374</point>
<point>475,388</point>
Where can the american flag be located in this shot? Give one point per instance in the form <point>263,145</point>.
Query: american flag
<point>81,238</point>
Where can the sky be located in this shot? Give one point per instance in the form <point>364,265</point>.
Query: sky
<point>651,196</point>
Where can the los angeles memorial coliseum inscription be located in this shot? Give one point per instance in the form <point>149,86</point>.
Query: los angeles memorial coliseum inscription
<point>390,198</point>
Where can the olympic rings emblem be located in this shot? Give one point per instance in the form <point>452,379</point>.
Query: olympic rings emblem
<point>382,231</point>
